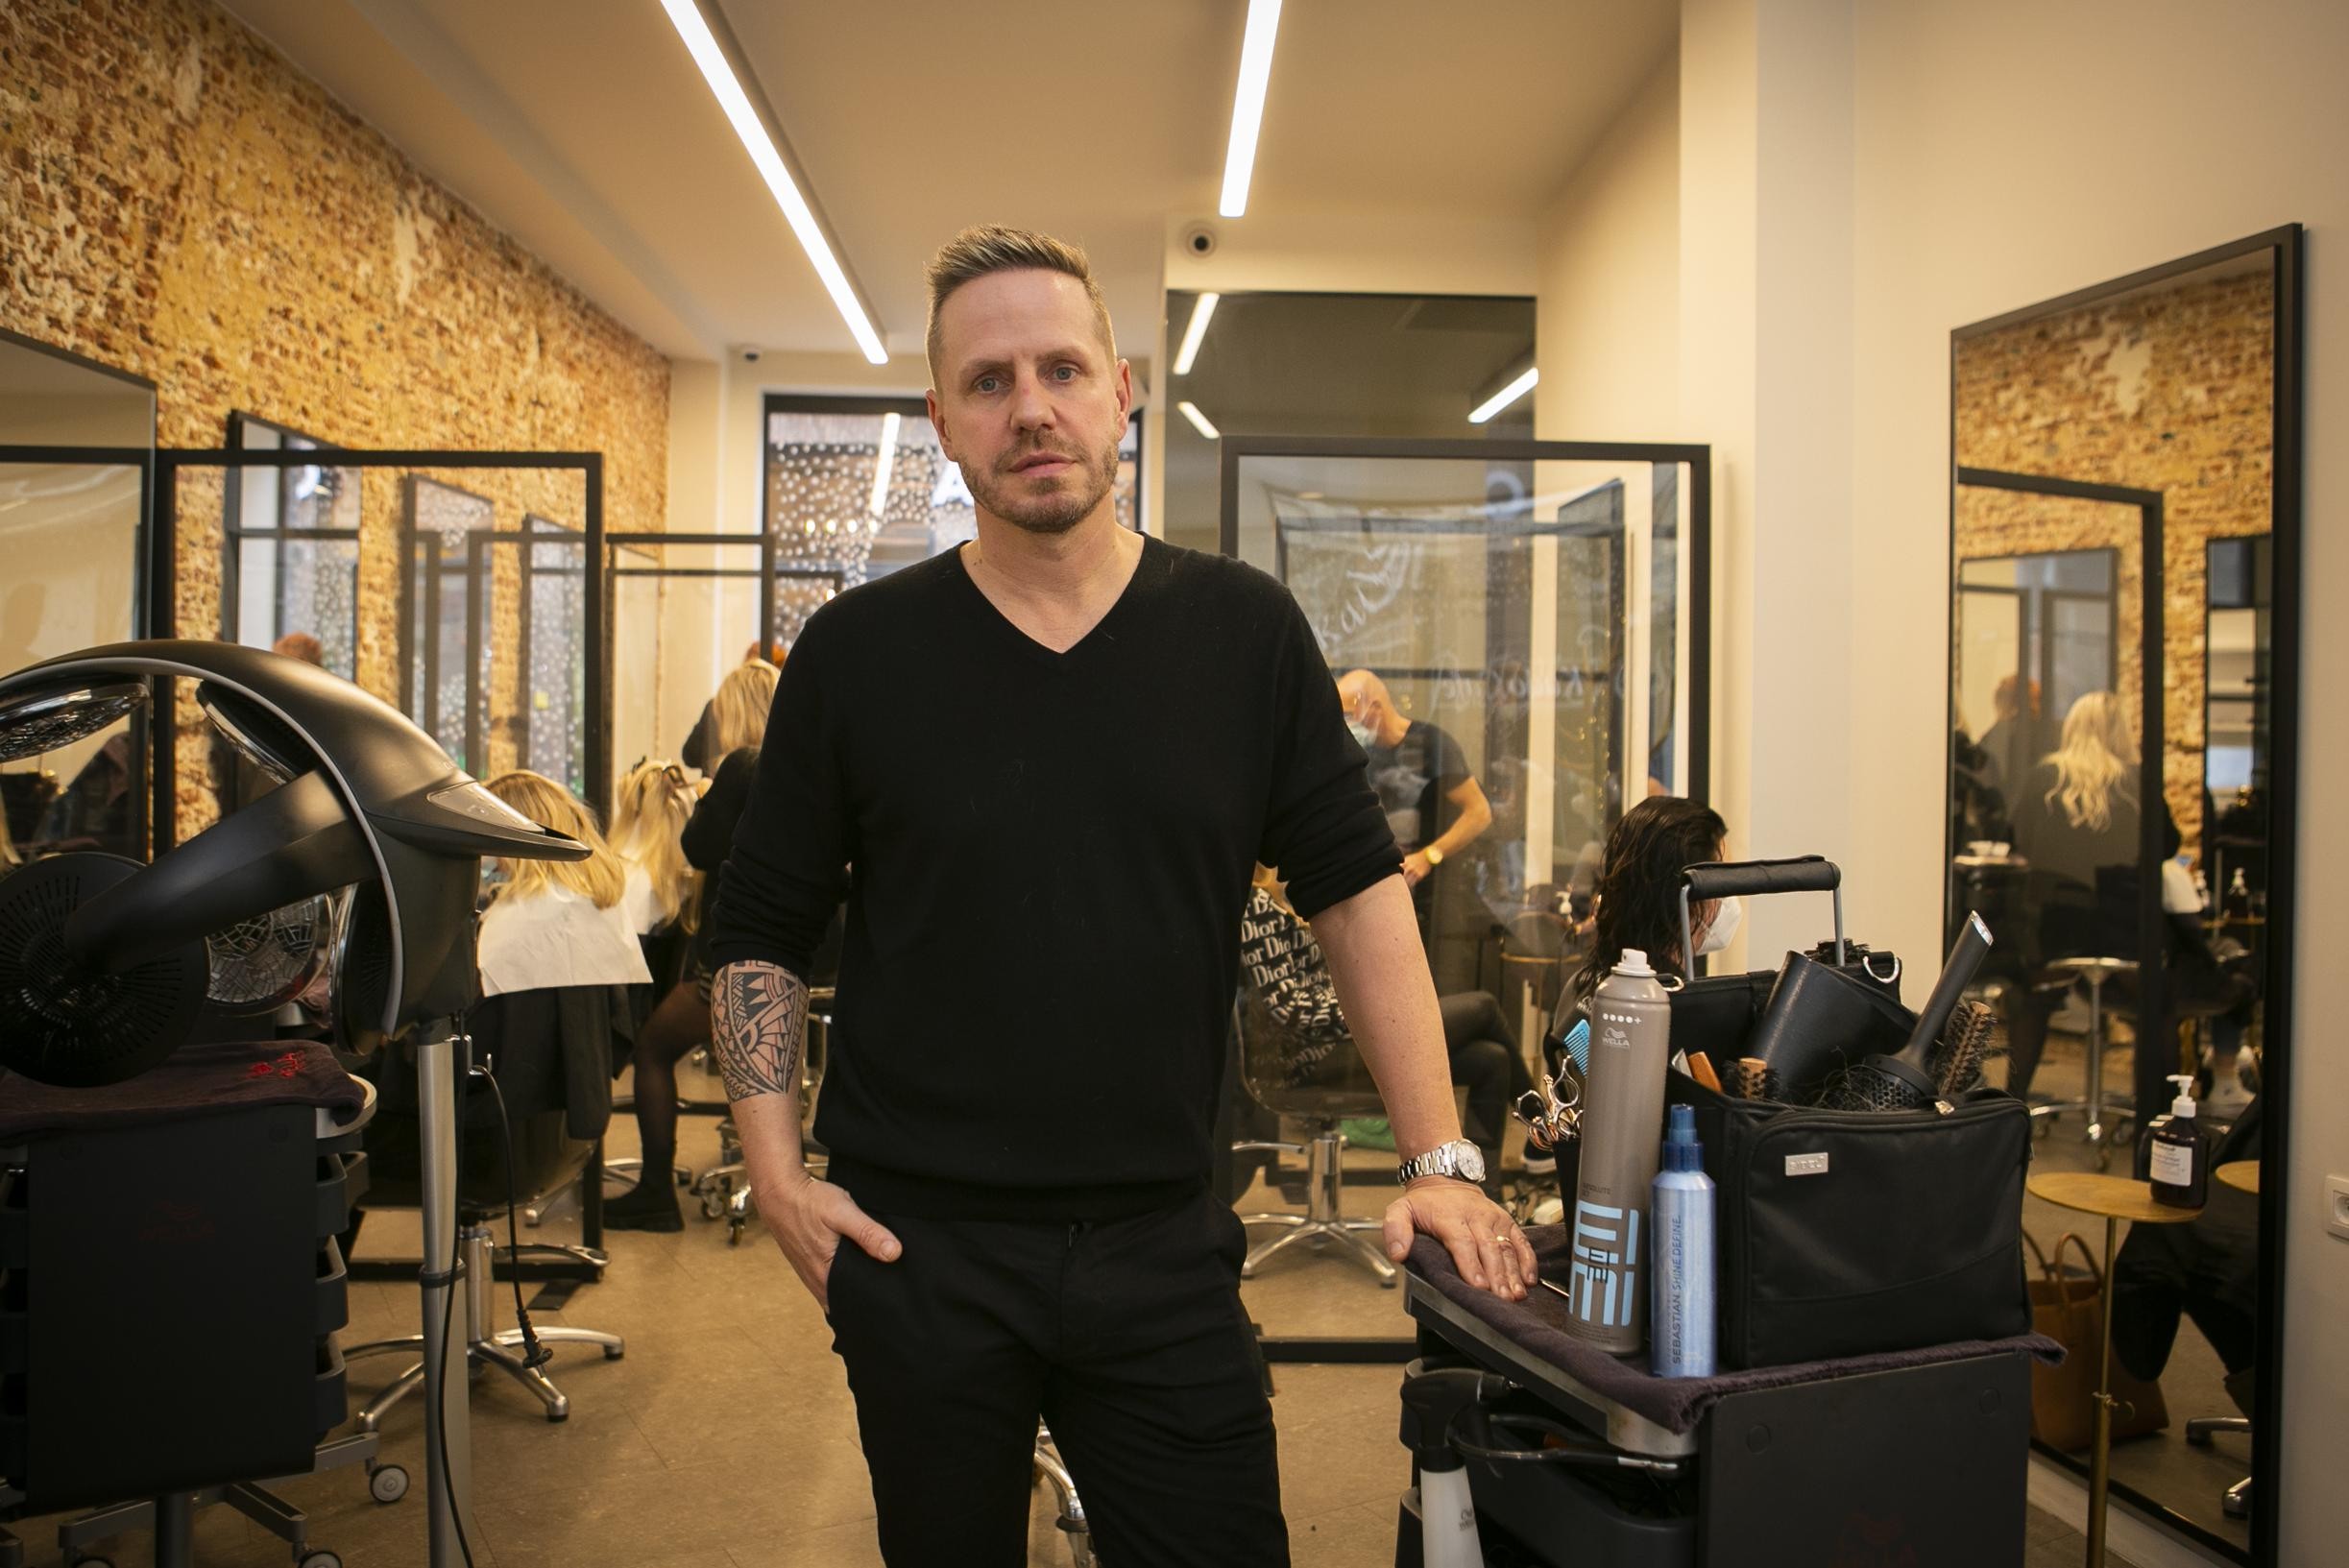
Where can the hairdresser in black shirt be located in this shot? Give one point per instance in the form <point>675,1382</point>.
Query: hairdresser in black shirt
<point>1041,770</point>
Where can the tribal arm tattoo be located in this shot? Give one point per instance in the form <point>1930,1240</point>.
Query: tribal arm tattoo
<point>757,1025</point>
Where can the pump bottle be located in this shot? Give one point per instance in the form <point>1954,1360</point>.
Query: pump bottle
<point>1681,1337</point>
<point>1623,1106</point>
<point>2180,1174</point>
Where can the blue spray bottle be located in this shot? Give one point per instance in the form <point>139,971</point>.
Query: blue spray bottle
<point>1681,1301</point>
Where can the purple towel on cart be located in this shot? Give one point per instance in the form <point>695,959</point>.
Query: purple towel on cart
<point>195,1081</point>
<point>1537,1325</point>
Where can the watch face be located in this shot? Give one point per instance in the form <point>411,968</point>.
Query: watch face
<point>1468,1161</point>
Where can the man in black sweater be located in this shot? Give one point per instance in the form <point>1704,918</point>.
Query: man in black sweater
<point>1041,770</point>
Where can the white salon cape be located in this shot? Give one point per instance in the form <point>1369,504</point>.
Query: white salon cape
<point>556,938</point>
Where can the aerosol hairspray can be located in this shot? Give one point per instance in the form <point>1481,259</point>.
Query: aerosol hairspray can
<point>1623,1108</point>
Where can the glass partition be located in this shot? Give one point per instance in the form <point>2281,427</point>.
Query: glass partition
<point>1516,623</point>
<point>2049,841</point>
<point>468,604</point>
<point>684,610</point>
<point>496,634</point>
<point>77,445</point>
<point>1528,617</point>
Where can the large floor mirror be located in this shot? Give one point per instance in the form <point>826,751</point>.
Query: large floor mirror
<point>2124,689</point>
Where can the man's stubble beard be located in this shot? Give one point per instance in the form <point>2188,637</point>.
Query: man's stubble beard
<point>1052,514</point>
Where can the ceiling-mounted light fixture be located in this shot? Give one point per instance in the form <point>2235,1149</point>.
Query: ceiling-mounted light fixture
<point>1202,314</point>
<point>885,462</point>
<point>1247,104</point>
<point>1198,421</point>
<point>1508,395</point>
<point>700,42</point>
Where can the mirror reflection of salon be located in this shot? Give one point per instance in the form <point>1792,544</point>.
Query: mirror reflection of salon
<point>2118,847</point>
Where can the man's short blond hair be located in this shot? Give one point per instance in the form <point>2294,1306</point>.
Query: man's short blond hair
<point>994,248</point>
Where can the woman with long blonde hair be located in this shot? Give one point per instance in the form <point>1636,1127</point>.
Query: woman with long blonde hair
<point>557,923</point>
<point>2096,766</point>
<point>648,819</point>
<point>737,712</point>
<point>2078,821</point>
<point>736,729</point>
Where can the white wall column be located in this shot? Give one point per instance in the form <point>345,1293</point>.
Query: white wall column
<point>1765,377</point>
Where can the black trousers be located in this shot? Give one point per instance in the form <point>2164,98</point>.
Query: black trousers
<point>1125,1336</point>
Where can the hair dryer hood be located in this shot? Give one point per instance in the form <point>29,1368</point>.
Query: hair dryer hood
<point>370,797</point>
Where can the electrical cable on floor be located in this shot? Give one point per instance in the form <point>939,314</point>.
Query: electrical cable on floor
<point>534,1354</point>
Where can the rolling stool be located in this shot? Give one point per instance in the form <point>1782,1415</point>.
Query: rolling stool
<point>724,1189</point>
<point>2095,974</point>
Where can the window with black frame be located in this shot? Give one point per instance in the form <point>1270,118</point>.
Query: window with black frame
<point>856,488</point>
<point>290,552</point>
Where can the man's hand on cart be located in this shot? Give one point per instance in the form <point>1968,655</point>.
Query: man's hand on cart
<point>1487,1246</point>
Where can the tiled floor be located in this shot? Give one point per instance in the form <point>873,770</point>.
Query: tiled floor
<point>726,1436</point>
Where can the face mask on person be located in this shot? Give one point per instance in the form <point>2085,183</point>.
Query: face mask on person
<point>1724,930</point>
<point>1361,733</point>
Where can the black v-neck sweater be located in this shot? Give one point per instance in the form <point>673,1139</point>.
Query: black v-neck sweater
<point>1050,855</point>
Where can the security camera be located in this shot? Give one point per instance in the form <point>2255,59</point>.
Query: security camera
<point>750,355</point>
<point>1199,241</point>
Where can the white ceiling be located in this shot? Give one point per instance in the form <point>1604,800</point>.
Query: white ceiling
<point>582,128</point>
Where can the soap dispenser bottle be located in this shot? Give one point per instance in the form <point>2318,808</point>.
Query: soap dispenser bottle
<point>2181,1176</point>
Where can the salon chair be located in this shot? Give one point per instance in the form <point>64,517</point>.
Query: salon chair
<point>541,1044</point>
<point>1339,1088</point>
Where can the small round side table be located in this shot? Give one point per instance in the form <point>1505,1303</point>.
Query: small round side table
<point>2116,1199</point>
<point>2243,1175</point>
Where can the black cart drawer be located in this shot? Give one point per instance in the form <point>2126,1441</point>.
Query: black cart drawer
<point>330,1393</point>
<point>333,1289</point>
<point>342,1180</point>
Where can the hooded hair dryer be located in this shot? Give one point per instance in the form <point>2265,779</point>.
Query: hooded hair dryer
<point>101,960</point>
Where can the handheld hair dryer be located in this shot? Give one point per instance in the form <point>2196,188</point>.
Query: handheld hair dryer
<point>1905,1081</point>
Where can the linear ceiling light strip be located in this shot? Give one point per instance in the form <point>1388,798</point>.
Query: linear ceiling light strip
<point>1247,104</point>
<point>687,18</point>
<point>1502,398</point>
<point>1201,314</point>
<point>885,462</point>
<point>1198,421</point>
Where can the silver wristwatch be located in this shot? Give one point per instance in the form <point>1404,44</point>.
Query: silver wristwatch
<point>1459,1158</point>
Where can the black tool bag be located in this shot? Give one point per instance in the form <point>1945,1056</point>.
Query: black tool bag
<point>1844,1232</point>
<point>1719,1014</point>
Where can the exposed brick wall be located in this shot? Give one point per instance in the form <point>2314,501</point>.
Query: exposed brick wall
<point>178,201</point>
<point>2173,390</point>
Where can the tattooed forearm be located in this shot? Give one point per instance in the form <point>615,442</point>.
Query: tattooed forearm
<point>757,1022</point>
